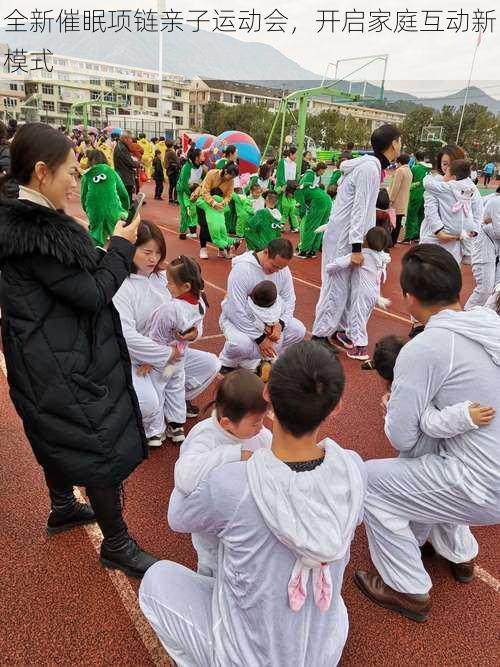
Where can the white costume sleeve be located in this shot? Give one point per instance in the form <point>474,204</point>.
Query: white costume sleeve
<point>236,300</point>
<point>432,216</point>
<point>141,348</point>
<point>194,464</point>
<point>162,324</point>
<point>435,186</point>
<point>420,370</point>
<point>338,264</point>
<point>360,213</point>
<point>448,422</point>
<point>477,209</point>
<point>492,210</point>
<point>203,511</point>
<point>287,293</point>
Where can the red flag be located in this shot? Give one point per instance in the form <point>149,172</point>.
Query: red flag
<point>185,142</point>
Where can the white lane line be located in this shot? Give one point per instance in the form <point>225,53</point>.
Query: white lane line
<point>124,589</point>
<point>298,280</point>
<point>487,578</point>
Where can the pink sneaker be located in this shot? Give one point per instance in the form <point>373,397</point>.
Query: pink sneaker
<point>344,340</point>
<point>360,353</point>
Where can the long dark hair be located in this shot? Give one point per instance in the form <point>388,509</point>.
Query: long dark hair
<point>146,232</point>
<point>187,270</point>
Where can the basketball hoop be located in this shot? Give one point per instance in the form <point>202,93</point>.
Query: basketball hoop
<point>433,134</point>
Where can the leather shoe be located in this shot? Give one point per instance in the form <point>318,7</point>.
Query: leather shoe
<point>414,607</point>
<point>463,572</point>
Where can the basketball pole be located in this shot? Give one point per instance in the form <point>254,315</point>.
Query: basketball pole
<point>467,89</point>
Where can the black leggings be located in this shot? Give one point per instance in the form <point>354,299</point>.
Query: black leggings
<point>204,231</point>
<point>395,232</point>
<point>172,182</point>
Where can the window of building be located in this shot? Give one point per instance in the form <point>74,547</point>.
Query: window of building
<point>109,83</point>
<point>152,88</point>
<point>13,86</point>
<point>9,102</point>
<point>248,100</point>
<point>95,82</point>
<point>152,102</point>
<point>215,97</point>
<point>177,92</point>
<point>48,105</point>
<point>192,108</point>
<point>177,106</point>
<point>227,97</point>
<point>88,65</point>
<point>138,86</point>
<point>64,107</point>
<point>237,99</point>
<point>138,101</point>
<point>47,89</point>
<point>31,88</point>
<point>177,120</point>
<point>95,94</point>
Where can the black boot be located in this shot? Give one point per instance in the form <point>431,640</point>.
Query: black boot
<point>66,512</point>
<point>118,550</point>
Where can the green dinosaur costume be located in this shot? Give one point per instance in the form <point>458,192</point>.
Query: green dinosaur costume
<point>189,174</point>
<point>288,209</point>
<point>415,214</point>
<point>318,205</point>
<point>216,222</point>
<point>262,228</point>
<point>266,184</point>
<point>244,211</point>
<point>105,201</point>
<point>335,177</point>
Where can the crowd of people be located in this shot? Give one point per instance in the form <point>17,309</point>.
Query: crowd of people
<point>98,334</point>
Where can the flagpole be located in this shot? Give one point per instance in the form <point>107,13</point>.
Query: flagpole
<point>468,86</point>
<point>160,63</point>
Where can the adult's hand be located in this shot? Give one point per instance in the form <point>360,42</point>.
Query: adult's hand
<point>245,454</point>
<point>275,334</point>
<point>357,259</point>
<point>218,206</point>
<point>189,336</point>
<point>127,232</point>
<point>267,348</point>
<point>385,400</point>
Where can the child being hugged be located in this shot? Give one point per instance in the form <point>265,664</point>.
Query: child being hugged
<point>365,291</point>
<point>435,424</point>
<point>176,323</point>
<point>234,430</point>
<point>265,225</point>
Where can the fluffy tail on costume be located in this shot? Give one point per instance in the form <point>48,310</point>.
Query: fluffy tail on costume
<point>321,229</point>
<point>382,302</point>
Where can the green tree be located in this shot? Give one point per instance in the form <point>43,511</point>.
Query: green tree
<point>411,129</point>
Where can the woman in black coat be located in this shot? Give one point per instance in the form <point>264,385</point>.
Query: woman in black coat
<point>68,367</point>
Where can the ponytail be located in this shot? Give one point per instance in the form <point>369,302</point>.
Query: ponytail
<point>189,271</point>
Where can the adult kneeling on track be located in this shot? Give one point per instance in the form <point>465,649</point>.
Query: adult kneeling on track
<point>247,271</point>
<point>67,363</point>
<point>456,358</point>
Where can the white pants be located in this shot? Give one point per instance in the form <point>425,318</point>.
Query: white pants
<point>178,605</point>
<point>241,351</point>
<point>360,309</point>
<point>200,369</point>
<point>334,299</point>
<point>411,499</point>
<point>486,275</point>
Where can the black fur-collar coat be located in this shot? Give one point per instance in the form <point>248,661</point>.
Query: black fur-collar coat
<point>67,362</point>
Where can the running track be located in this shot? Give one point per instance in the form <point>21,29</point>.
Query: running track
<point>58,606</point>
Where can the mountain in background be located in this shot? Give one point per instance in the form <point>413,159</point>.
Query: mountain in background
<point>211,55</point>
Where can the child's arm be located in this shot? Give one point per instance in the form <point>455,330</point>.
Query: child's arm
<point>454,419</point>
<point>435,186</point>
<point>338,264</point>
<point>444,236</point>
<point>197,459</point>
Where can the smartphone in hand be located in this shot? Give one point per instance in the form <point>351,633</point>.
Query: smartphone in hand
<point>135,208</point>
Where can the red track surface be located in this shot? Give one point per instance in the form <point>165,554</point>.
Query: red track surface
<point>58,606</point>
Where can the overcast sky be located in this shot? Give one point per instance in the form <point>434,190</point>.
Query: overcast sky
<point>423,63</point>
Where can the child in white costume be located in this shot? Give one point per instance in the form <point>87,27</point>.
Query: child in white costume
<point>459,210</point>
<point>435,424</point>
<point>485,253</point>
<point>183,314</point>
<point>234,429</point>
<point>365,290</point>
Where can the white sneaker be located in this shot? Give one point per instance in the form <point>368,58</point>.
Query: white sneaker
<point>156,440</point>
<point>192,236</point>
<point>176,435</point>
<point>203,253</point>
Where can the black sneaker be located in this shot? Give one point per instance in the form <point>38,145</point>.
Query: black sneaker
<point>192,411</point>
<point>182,237</point>
<point>79,515</point>
<point>302,254</point>
<point>130,559</point>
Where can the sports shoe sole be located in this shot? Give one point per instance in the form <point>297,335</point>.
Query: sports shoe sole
<point>68,526</point>
<point>413,616</point>
<point>346,346</point>
<point>111,565</point>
